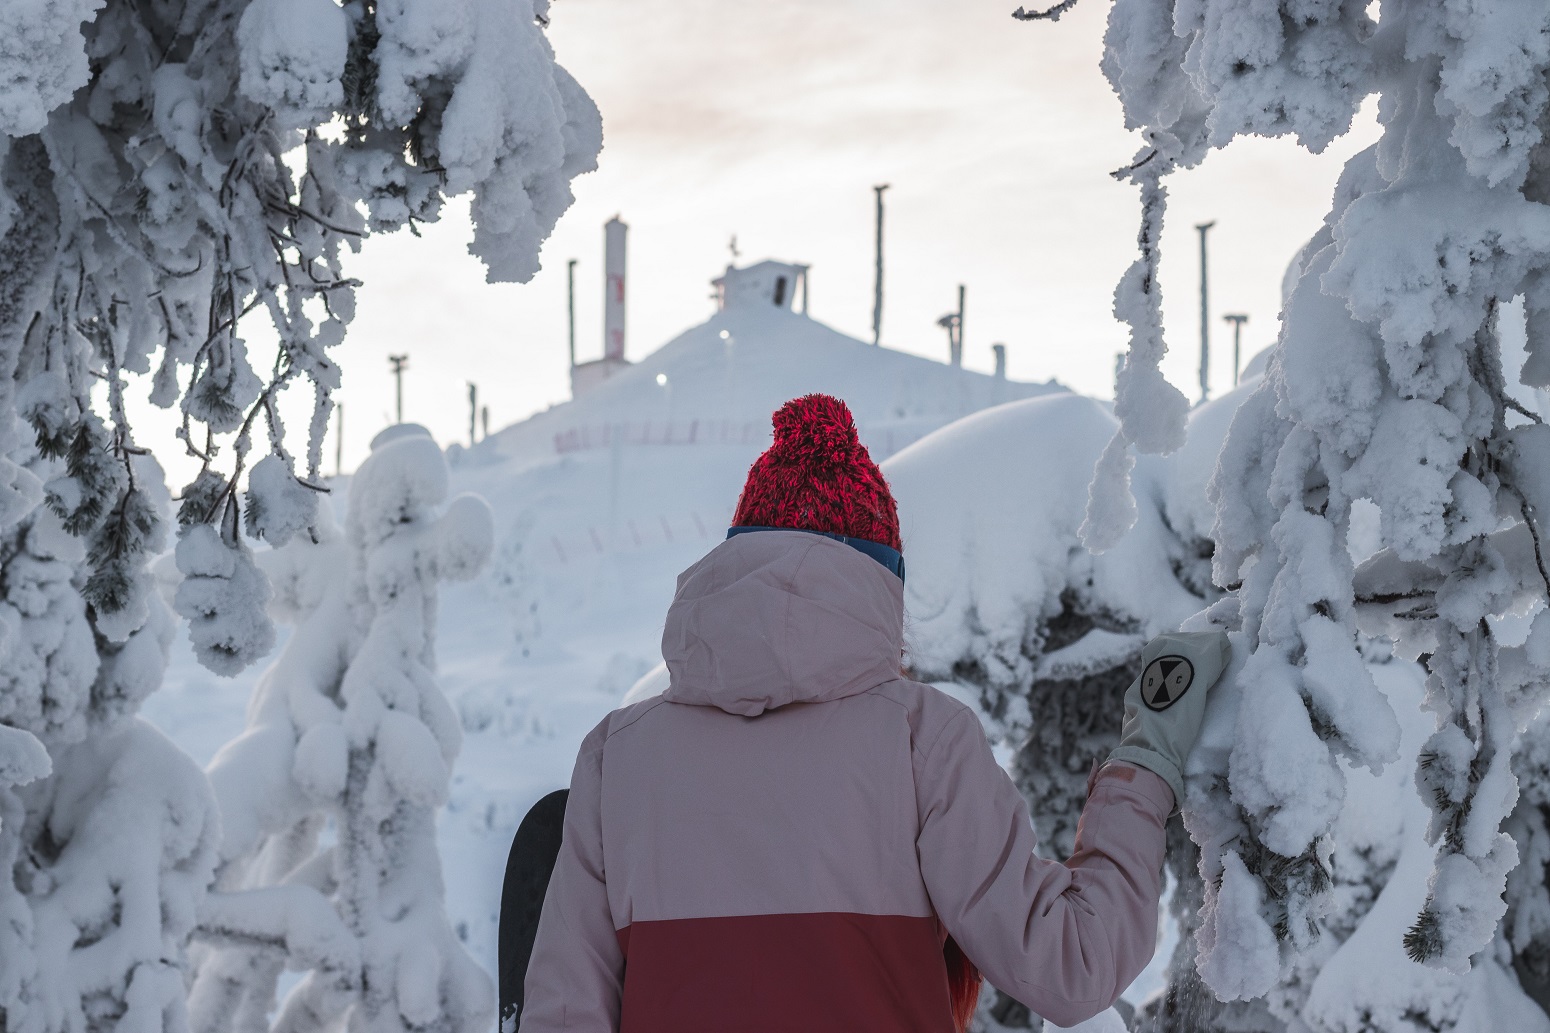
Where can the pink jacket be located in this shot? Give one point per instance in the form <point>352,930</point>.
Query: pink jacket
<point>783,839</point>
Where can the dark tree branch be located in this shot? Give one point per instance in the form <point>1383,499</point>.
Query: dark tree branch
<point>1051,14</point>
<point>1512,403</point>
<point>295,211</point>
<point>1530,520</point>
<point>1128,169</point>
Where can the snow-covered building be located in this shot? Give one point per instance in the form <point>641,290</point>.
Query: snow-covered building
<point>762,284</point>
<point>584,376</point>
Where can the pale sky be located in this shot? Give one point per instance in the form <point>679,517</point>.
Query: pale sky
<point>773,121</point>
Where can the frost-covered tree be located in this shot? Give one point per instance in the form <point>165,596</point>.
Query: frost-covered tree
<point>1007,610</point>
<point>170,171</point>
<point>1387,385</point>
<point>328,860</point>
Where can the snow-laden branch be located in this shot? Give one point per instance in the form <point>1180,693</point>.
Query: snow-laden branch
<point>1151,410</point>
<point>1052,14</point>
<point>187,193</point>
<point>297,922</point>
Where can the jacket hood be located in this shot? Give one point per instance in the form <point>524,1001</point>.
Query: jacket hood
<point>779,617</point>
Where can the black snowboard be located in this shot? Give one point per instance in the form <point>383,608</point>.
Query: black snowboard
<point>528,867</point>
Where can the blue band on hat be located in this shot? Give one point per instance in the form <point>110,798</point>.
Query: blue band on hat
<point>890,558</point>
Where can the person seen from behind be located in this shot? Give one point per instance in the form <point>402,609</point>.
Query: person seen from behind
<point>794,836</point>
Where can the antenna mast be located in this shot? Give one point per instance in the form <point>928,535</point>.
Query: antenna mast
<point>570,274</point>
<point>1205,318</point>
<point>1237,322</point>
<point>399,363</point>
<point>877,293</point>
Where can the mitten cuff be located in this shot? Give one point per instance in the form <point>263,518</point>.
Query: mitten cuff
<point>1157,764</point>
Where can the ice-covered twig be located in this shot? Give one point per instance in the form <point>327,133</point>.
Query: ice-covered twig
<point>1384,579</point>
<point>296,921</point>
<point>1139,163</point>
<point>1049,14</point>
<point>1152,412</point>
<point>1530,521</point>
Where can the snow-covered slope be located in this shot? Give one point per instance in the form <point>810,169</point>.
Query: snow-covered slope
<point>719,382</point>
<point>983,574</point>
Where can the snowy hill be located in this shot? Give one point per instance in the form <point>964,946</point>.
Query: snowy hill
<point>719,381</point>
<point>983,575</point>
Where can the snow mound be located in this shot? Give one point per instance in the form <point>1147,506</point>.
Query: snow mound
<point>983,575</point>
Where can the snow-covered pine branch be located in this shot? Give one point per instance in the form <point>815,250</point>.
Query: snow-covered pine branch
<point>158,191</point>
<point>1387,385</point>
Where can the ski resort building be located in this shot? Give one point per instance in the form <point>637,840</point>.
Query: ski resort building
<point>762,284</point>
<point>717,383</point>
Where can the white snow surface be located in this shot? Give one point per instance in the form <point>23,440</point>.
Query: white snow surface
<point>981,574</point>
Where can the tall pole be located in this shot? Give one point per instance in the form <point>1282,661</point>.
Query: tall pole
<point>1237,322</point>
<point>958,353</point>
<point>473,414</point>
<point>1205,317</point>
<point>877,291</point>
<point>400,363</point>
<point>950,323</point>
<point>570,273</point>
<point>339,441</point>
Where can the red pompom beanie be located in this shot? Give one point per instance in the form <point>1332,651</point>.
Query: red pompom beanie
<point>817,476</point>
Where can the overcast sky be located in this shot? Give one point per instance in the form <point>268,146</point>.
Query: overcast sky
<point>773,121</point>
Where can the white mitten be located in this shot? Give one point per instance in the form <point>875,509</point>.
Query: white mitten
<point>1165,706</point>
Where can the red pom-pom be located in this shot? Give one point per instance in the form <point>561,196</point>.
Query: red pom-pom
<point>818,476</point>
<point>815,426</point>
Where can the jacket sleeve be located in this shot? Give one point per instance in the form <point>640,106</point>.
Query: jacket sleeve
<point>575,978</point>
<point>1064,939</point>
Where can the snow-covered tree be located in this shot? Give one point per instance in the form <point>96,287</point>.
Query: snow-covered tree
<point>1387,385</point>
<point>328,861</point>
<point>166,170</point>
<point>1006,608</point>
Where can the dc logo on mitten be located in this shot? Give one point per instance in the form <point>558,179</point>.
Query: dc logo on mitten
<point>1165,680</point>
